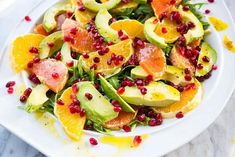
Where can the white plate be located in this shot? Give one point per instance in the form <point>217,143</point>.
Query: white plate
<point>163,139</point>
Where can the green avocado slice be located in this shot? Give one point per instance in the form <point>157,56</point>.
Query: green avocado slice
<point>98,109</point>
<point>66,55</point>
<point>112,93</point>
<point>49,22</point>
<point>208,51</point>
<point>102,24</point>
<point>37,98</point>
<point>158,95</point>
<point>151,36</point>
<point>46,51</point>
<point>95,6</point>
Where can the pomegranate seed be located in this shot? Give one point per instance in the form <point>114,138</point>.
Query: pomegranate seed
<point>27,18</point>
<point>143,91</point>
<point>30,64</point>
<point>74,31</point>
<point>101,52</point>
<point>76,101</point>
<point>33,50</point>
<point>125,1</point>
<point>149,78</point>
<point>120,57</point>
<point>94,66</point>
<point>70,64</point>
<point>210,1</point>
<point>199,66</point>
<point>82,113</point>
<point>186,8</point>
<point>115,103</point>
<point>214,67</point>
<point>139,82</point>
<point>164,30</point>
<point>85,55</point>
<point>109,43</point>
<point>179,115</point>
<point>117,108</point>
<point>180,88</point>
<point>190,86</point>
<point>124,37</point>
<point>81,8</point>
<point>164,15</point>
<point>113,56</point>
<point>121,90</point>
<point>74,108</point>
<point>126,128</point>
<point>60,102</point>
<point>36,60</point>
<point>155,21</point>
<point>186,71</point>
<point>68,38</point>
<point>50,44</point>
<point>10,90</point>
<point>116,62</point>
<point>88,96</point>
<point>141,117</point>
<point>72,96</point>
<point>120,33</point>
<point>10,84</point>
<point>172,2</point>
<point>207,11</point>
<point>96,59</point>
<point>27,92</point>
<point>58,56</point>
<point>188,77</point>
<point>23,98</point>
<point>55,75</point>
<point>152,122</point>
<point>69,13</point>
<point>206,59</point>
<point>137,140</point>
<point>191,25</point>
<point>208,75</point>
<point>75,88</point>
<point>93,141</point>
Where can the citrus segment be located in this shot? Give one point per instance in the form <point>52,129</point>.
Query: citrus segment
<point>20,55</point>
<point>189,99</point>
<point>161,6</point>
<point>152,59</point>
<point>133,28</point>
<point>81,40</point>
<point>167,30</point>
<point>72,123</point>
<point>39,29</point>
<point>123,48</point>
<point>124,118</point>
<point>53,73</point>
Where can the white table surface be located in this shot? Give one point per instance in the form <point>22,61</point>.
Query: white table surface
<point>216,141</point>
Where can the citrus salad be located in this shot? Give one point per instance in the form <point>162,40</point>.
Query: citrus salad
<point>115,64</point>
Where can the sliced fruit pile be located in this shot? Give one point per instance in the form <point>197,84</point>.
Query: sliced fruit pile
<point>115,64</point>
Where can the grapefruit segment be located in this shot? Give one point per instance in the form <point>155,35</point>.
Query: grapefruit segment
<point>45,70</point>
<point>152,59</point>
<point>72,123</point>
<point>80,41</point>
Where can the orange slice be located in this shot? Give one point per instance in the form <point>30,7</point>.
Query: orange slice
<point>72,123</point>
<point>188,101</point>
<point>123,48</point>
<point>133,28</point>
<point>45,71</point>
<point>171,33</point>
<point>161,6</point>
<point>20,55</point>
<point>152,59</point>
<point>82,39</point>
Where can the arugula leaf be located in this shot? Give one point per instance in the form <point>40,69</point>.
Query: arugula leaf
<point>194,8</point>
<point>101,129</point>
<point>167,50</point>
<point>114,81</point>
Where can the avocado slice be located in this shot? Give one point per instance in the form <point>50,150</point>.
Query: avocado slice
<point>141,1</point>
<point>208,51</point>
<point>196,32</point>
<point>37,98</point>
<point>122,7</point>
<point>112,93</point>
<point>98,109</point>
<point>172,74</point>
<point>151,36</point>
<point>102,25</point>
<point>95,6</point>
<point>46,51</point>
<point>49,22</point>
<point>66,55</point>
<point>158,95</point>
